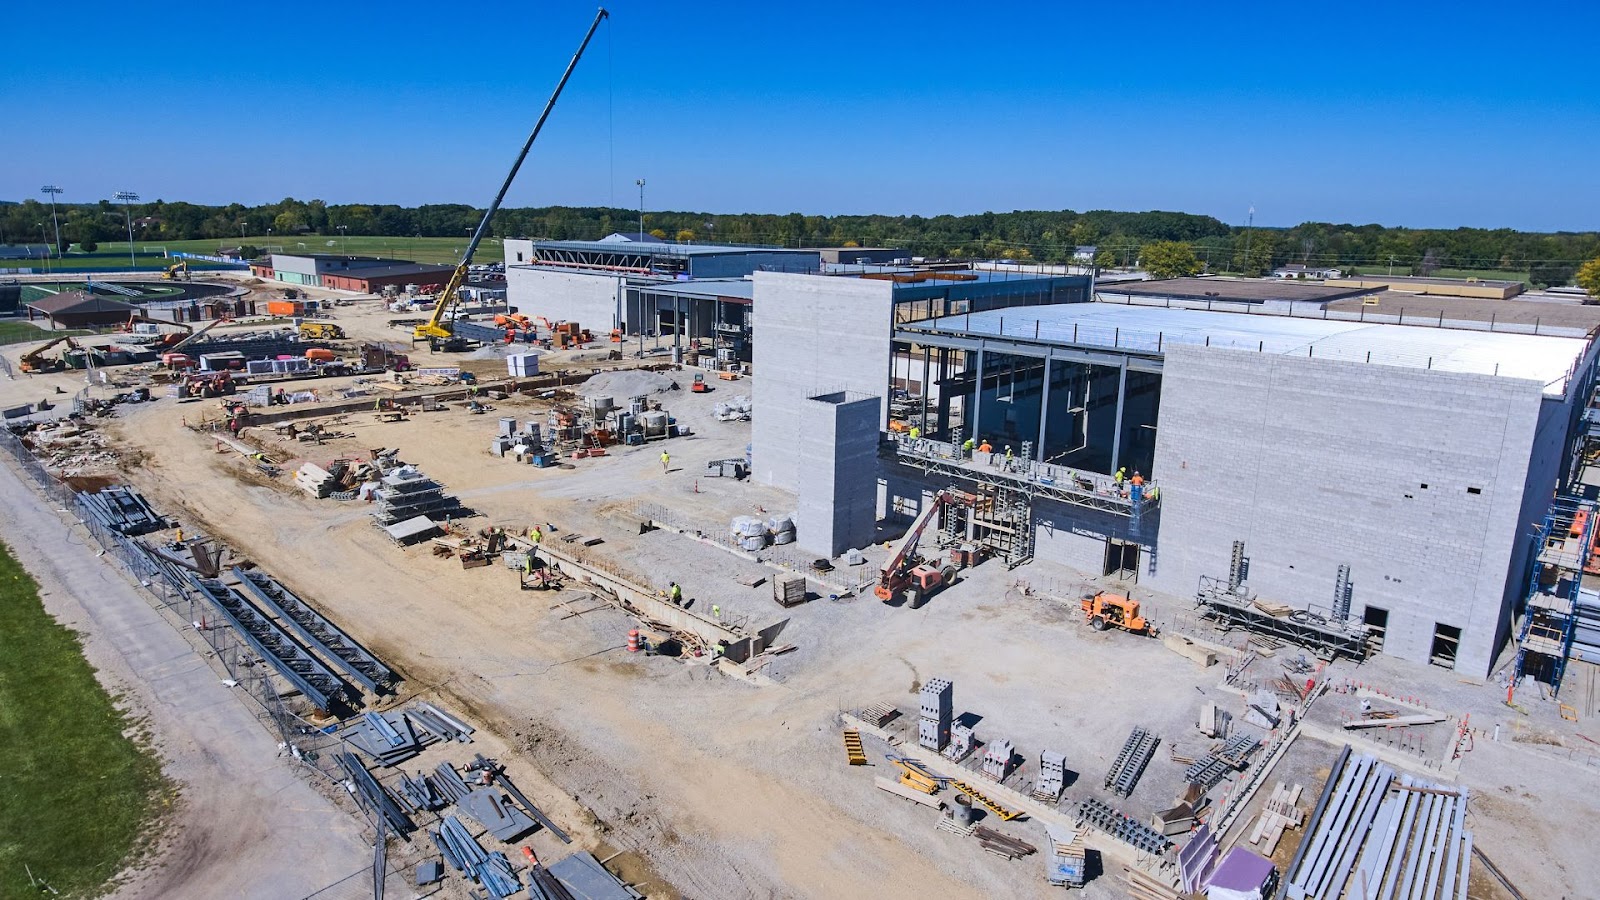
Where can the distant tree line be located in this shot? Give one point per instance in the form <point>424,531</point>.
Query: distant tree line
<point>1041,236</point>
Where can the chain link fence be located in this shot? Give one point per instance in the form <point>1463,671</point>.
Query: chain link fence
<point>166,588</point>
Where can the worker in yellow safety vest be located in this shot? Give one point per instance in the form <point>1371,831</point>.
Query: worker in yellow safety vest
<point>666,459</point>
<point>675,593</point>
<point>536,535</point>
<point>966,448</point>
<point>915,432</point>
<point>1122,474</point>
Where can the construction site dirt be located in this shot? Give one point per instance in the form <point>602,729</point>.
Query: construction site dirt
<point>717,786</point>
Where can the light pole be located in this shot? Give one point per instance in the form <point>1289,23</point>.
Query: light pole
<point>51,191</point>
<point>711,232</point>
<point>44,238</point>
<point>344,247</point>
<point>640,183</point>
<point>127,198</point>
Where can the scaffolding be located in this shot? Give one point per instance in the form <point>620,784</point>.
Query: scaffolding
<point>999,520</point>
<point>1562,544</point>
<point>1031,480</point>
<point>1227,601</point>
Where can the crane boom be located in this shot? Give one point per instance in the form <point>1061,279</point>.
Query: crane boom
<point>435,327</point>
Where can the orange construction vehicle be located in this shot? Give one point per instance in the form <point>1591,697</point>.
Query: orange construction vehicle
<point>699,386</point>
<point>910,575</point>
<point>1107,610</point>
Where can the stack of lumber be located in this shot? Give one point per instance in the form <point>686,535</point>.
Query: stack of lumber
<point>314,480</point>
<point>1002,845</point>
<point>1279,813</point>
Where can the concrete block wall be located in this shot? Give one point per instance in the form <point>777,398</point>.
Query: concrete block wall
<point>588,298</point>
<point>812,334</point>
<point>838,450</point>
<point>519,251</point>
<point>1416,479</point>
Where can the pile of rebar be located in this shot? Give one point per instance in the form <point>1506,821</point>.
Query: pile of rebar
<point>1002,845</point>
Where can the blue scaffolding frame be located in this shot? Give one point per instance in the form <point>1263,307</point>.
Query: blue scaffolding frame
<point>1554,579</point>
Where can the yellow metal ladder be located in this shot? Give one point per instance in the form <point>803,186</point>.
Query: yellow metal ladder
<point>852,748</point>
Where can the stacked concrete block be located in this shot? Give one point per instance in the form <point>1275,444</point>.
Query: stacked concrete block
<point>961,741</point>
<point>838,449</point>
<point>1052,774</point>
<point>937,712</point>
<point>997,759</point>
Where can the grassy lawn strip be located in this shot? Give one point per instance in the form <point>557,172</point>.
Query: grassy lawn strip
<point>74,791</point>
<point>22,332</point>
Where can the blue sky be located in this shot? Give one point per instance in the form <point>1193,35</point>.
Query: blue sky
<point>1423,113</point>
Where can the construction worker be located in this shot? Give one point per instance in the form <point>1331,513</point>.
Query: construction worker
<point>1121,475</point>
<point>716,611</point>
<point>666,460</point>
<point>535,535</point>
<point>675,593</point>
<point>527,567</point>
<point>1137,480</point>
<point>966,448</point>
<point>178,538</point>
<point>916,433</point>
<point>1008,456</point>
<point>984,447</point>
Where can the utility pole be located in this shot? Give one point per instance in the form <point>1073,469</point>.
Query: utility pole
<point>1249,223</point>
<point>127,198</point>
<point>51,191</point>
<point>640,183</point>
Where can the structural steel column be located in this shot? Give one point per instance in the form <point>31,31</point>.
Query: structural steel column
<point>977,396</point>
<point>944,395</point>
<point>1116,436</point>
<point>927,352</point>
<point>1044,412</point>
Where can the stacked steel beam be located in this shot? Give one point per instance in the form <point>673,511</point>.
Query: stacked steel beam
<point>1130,763</point>
<point>310,675</point>
<point>121,509</point>
<point>492,870</point>
<point>1375,836</point>
<point>315,630</point>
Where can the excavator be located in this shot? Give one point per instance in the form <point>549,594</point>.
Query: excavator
<point>178,271</point>
<point>35,362</point>
<point>437,330</point>
<point>909,574</point>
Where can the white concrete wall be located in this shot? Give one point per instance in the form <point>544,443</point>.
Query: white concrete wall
<point>1315,463</point>
<point>519,251</point>
<point>838,450</point>
<point>588,298</point>
<point>812,334</point>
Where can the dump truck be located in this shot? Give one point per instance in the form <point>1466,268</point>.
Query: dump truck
<point>1107,610</point>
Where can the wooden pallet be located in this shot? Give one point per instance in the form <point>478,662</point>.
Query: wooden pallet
<point>852,748</point>
<point>1279,812</point>
<point>1005,814</point>
<point>948,823</point>
<point>879,714</point>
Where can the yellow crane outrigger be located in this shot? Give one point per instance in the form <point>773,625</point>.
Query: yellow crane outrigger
<point>436,328</point>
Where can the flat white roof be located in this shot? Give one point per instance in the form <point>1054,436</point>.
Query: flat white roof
<point>1545,359</point>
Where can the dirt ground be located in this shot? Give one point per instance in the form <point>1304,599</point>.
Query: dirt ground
<point>717,787</point>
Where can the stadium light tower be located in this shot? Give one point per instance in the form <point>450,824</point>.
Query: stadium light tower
<point>127,198</point>
<point>640,183</point>
<point>51,191</point>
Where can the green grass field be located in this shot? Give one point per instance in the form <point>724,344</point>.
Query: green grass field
<point>1484,274</point>
<point>423,250</point>
<point>13,332</point>
<point>75,792</point>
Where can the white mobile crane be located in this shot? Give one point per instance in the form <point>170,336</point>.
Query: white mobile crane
<point>437,329</point>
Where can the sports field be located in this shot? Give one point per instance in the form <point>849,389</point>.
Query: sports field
<point>423,250</point>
